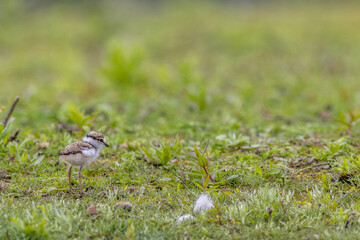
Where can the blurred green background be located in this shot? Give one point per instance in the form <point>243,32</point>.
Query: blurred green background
<point>163,64</point>
<point>270,86</point>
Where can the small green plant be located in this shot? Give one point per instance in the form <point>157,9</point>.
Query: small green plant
<point>123,66</point>
<point>18,151</point>
<point>163,154</point>
<point>332,150</point>
<point>347,168</point>
<point>201,160</point>
<point>199,97</point>
<point>77,116</point>
<point>349,120</point>
<point>231,140</point>
<point>195,85</point>
<point>267,154</point>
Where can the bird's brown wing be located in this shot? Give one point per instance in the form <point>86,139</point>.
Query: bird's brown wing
<point>75,148</point>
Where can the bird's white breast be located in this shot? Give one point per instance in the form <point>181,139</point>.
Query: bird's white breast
<point>89,152</point>
<point>90,155</point>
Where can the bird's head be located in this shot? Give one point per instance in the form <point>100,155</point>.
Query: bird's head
<point>96,139</point>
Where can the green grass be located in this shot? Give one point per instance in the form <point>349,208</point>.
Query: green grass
<point>272,89</point>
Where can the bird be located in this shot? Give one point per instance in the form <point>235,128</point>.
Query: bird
<point>82,153</point>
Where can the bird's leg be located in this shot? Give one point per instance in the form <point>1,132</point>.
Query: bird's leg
<point>80,185</point>
<point>69,177</point>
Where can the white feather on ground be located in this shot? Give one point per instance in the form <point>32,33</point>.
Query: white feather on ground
<point>184,218</point>
<point>204,202</point>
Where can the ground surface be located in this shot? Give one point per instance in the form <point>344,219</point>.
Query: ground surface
<point>273,90</point>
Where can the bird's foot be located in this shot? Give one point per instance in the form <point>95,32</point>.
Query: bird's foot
<point>81,191</point>
<point>73,190</point>
<point>79,188</point>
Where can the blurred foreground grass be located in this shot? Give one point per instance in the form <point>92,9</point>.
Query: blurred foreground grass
<point>263,83</point>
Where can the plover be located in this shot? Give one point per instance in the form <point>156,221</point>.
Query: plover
<point>82,153</point>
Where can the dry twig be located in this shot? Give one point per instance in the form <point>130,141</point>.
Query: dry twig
<point>10,111</point>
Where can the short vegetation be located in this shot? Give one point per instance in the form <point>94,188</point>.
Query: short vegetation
<point>254,105</point>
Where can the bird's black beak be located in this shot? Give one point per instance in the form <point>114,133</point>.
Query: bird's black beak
<point>106,145</point>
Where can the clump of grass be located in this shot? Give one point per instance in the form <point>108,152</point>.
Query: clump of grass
<point>123,65</point>
<point>163,154</point>
<point>75,115</point>
<point>199,97</point>
<point>33,226</point>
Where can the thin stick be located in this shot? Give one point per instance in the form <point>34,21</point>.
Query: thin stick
<point>208,174</point>
<point>10,111</point>
<point>207,144</point>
